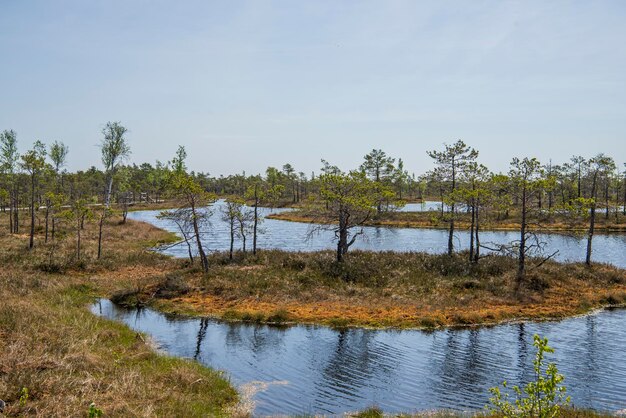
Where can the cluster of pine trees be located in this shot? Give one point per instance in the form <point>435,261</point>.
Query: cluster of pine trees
<point>39,193</point>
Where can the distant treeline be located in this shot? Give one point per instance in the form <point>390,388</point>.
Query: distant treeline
<point>147,182</point>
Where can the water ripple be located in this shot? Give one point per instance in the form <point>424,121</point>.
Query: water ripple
<point>325,371</point>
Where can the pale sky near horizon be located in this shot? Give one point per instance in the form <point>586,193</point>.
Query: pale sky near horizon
<point>248,84</point>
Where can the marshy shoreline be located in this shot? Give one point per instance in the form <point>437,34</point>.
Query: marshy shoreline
<point>281,287</point>
<point>378,290</point>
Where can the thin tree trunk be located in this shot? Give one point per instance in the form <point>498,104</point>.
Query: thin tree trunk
<point>339,250</point>
<point>476,228</point>
<point>550,192</point>
<point>452,208</point>
<point>100,225</point>
<point>232,237</point>
<point>472,225</point>
<point>521,266</point>
<point>31,242</point>
<point>624,201</point>
<point>11,214</point>
<point>47,220</point>
<point>441,198</point>
<point>256,218</point>
<point>606,199</point>
<point>16,218</point>
<point>107,203</point>
<point>107,200</point>
<point>196,230</point>
<point>451,232</point>
<point>592,222</point>
<point>343,238</point>
<point>298,192</point>
<point>189,250</point>
<point>78,241</point>
<point>125,211</point>
<point>592,219</point>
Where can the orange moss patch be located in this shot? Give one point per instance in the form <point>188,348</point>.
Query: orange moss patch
<point>557,303</point>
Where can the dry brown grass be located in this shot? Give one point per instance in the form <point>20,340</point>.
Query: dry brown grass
<point>67,358</point>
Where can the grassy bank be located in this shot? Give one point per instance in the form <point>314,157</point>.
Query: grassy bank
<point>433,219</point>
<point>379,290</point>
<point>56,357</point>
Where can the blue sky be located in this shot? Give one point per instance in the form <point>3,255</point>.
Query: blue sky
<point>247,84</point>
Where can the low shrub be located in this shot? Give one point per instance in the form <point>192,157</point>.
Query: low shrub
<point>172,286</point>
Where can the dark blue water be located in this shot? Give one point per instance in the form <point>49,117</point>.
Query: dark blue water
<point>309,369</point>
<point>293,236</point>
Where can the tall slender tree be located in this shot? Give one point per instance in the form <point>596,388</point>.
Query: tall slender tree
<point>34,162</point>
<point>474,192</point>
<point>379,168</point>
<point>115,150</point>
<point>291,180</point>
<point>196,200</point>
<point>9,157</point>
<point>624,201</point>
<point>527,182</point>
<point>578,163</point>
<point>178,162</point>
<point>58,155</point>
<point>261,193</point>
<point>598,167</point>
<point>450,164</point>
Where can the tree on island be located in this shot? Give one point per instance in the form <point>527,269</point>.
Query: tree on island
<point>350,199</point>
<point>261,193</point>
<point>379,168</point>
<point>475,194</point>
<point>451,163</point>
<point>232,211</point>
<point>527,182</point>
<point>598,168</point>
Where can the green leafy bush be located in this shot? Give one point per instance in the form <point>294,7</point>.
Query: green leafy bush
<point>94,411</point>
<point>541,398</point>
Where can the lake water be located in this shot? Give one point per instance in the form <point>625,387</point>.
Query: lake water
<point>317,370</point>
<point>293,236</point>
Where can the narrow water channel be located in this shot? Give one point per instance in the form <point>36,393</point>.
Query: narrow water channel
<point>310,369</point>
<point>294,236</point>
